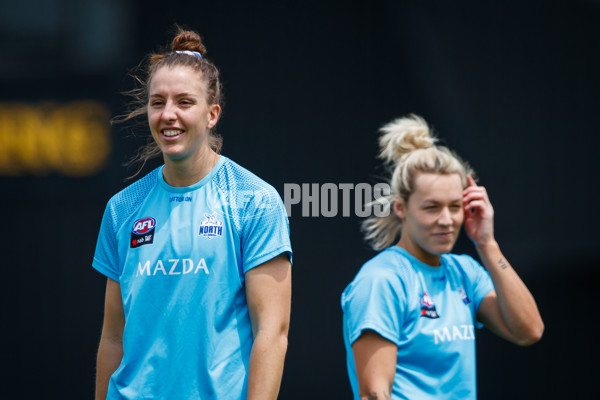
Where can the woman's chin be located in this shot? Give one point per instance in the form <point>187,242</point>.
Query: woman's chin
<point>443,248</point>
<point>172,154</point>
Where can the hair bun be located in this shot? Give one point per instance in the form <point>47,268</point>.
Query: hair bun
<point>404,135</point>
<point>188,40</point>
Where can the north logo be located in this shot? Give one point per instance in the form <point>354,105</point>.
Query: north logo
<point>142,232</point>
<point>211,227</point>
<point>427,307</point>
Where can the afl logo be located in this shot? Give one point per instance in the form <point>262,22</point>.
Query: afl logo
<point>144,225</point>
<point>142,232</point>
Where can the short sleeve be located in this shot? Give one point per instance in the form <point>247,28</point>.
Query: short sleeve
<point>374,301</point>
<point>265,229</point>
<point>106,255</point>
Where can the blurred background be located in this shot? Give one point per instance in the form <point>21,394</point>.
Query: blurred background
<point>512,87</point>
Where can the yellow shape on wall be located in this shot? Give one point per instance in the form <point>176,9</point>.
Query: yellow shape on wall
<point>72,139</point>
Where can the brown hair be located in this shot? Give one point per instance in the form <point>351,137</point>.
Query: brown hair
<point>184,40</point>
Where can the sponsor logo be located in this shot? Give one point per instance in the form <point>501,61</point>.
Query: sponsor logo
<point>427,307</point>
<point>175,266</point>
<point>180,199</point>
<point>142,232</point>
<point>456,332</point>
<point>211,227</point>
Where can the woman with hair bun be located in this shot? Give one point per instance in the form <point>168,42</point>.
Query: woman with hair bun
<point>197,254</point>
<point>410,312</point>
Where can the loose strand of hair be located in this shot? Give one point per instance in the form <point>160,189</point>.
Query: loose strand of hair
<point>381,232</point>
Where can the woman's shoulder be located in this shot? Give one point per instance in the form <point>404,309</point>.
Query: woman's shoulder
<point>463,264</point>
<point>231,172</point>
<point>390,263</point>
<point>387,273</point>
<point>463,260</point>
<point>245,190</point>
<point>137,190</point>
<point>249,199</point>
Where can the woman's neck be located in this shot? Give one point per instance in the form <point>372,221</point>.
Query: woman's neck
<point>182,173</point>
<point>420,254</point>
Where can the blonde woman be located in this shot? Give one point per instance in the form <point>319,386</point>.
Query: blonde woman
<point>410,312</point>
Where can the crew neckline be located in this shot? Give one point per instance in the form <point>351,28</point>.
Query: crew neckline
<point>419,264</point>
<point>197,185</point>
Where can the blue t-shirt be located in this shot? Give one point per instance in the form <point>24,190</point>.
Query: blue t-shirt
<point>428,312</point>
<point>180,256</point>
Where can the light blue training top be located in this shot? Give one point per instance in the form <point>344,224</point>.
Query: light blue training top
<point>427,312</point>
<point>180,256</point>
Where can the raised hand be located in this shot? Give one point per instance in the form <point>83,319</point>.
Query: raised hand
<point>479,214</point>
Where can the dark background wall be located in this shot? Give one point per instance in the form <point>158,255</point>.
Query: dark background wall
<point>512,87</point>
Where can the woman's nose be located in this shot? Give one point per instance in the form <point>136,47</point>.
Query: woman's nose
<point>169,113</point>
<point>445,217</point>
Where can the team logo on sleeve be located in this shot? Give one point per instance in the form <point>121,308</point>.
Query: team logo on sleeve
<point>427,307</point>
<point>142,232</point>
<point>211,227</point>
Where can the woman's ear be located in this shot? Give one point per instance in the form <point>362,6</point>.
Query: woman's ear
<point>398,207</point>
<point>214,112</point>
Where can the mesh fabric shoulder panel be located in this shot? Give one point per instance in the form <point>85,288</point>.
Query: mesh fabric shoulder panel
<point>257,213</point>
<point>124,203</point>
<point>247,195</point>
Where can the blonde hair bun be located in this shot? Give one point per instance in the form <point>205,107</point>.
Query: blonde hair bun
<point>404,135</point>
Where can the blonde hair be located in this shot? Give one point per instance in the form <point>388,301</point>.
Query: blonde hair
<point>408,148</point>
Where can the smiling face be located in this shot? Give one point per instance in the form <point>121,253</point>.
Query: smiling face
<point>432,217</point>
<point>179,117</point>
